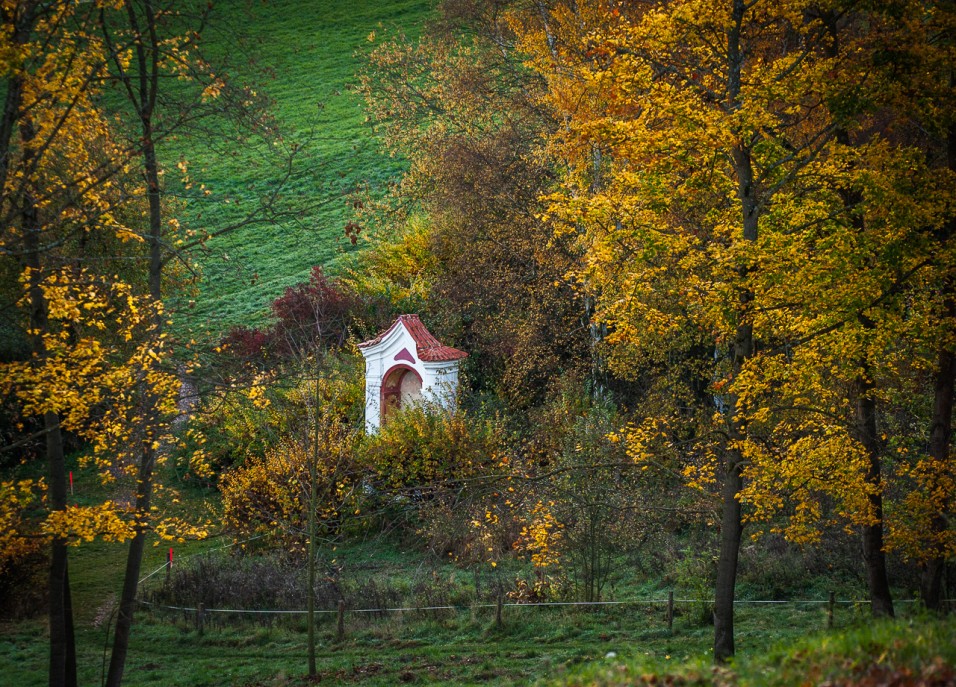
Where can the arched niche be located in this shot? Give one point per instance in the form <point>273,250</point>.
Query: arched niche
<point>401,388</point>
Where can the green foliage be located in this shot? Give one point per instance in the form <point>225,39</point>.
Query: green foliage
<point>258,411</point>
<point>694,575</point>
<point>424,448</point>
<point>441,475</point>
<point>589,510</point>
<point>393,272</point>
<point>594,495</point>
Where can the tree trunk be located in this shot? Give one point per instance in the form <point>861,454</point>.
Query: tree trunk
<point>312,527</point>
<point>941,426</point>
<point>62,651</point>
<point>143,98</point>
<point>134,559</point>
<point>62,642</point>
<point>71,678</point>
<point>62,647</point>
<point>931,582</point>
<point>731,530</point>
<point>874,556</point>
<point>62,665</point>
<point>731,523</point>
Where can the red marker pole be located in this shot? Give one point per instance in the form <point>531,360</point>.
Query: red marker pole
<point>169,561</point>
<point>71,483</point>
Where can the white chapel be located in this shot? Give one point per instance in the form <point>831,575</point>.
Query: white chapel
<point>405,365</point>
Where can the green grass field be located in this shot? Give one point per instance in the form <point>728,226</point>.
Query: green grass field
<point>311,50</point>
<point>610,645</point>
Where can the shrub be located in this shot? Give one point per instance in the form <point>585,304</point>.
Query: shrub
<point>252,419</point>
<point>253,582</point>
<point>317,312</point>
<point>275,491</point>
<point>435,471</point>
<point>22,558</point>
<point>424,449</point>
<point>316,315</point>
<point>696,575</point>
<point>23,584</point>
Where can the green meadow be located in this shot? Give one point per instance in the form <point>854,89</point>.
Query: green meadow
<point>304,54</point>
<point>630,644</point>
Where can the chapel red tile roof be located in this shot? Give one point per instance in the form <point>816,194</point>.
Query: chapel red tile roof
<point>428,347</point>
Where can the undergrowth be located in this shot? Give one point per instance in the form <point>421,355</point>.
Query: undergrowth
<point>916,650</point>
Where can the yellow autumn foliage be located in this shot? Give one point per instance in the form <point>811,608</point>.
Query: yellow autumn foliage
<point>757,325</point>
<point>272,492</point>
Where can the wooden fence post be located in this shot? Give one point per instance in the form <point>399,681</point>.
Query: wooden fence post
<point>498,620</point>
<point>670,612</point>
<point>199,618</point>
<point>340,635</point>
<point>830,604</point>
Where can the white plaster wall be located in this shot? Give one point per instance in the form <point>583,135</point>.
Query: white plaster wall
<point>442,382</point>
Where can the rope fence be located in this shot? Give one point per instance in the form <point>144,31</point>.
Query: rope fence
<point>515,604</point>
<point>200,613</point>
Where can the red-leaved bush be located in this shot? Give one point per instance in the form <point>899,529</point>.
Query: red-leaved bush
<point>308,315</point>
<point>317,311</point>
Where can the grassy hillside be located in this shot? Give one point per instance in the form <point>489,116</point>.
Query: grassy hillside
<point>310,50</point>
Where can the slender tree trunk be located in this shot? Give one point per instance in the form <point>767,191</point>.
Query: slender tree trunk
<point>874,556</point>
<point>731,523</point>
<point>313,517</point>
<point>931,582</point>
<point>62,651</point>
<point>134,559</point>
<point>62,661</point>
<point>311,595</point>
<point>142,95</point>
<point>62,641</point>
<point>71,678</point>
<point>941,426</point>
